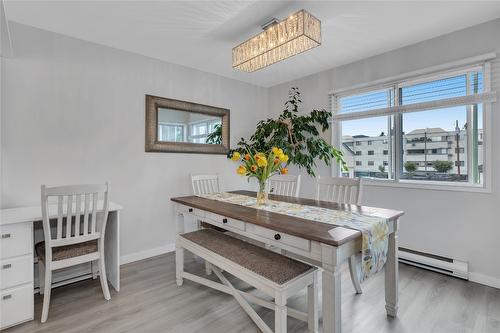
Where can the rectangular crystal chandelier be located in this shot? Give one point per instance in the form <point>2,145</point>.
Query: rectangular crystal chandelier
<point>298,33</point>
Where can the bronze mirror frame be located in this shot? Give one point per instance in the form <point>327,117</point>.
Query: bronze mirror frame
<point>153,103</point>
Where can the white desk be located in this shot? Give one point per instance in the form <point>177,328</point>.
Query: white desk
<point>17,259</point>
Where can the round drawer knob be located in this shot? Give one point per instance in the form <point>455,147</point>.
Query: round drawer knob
<point>277,236</point>
<point>224,220</point>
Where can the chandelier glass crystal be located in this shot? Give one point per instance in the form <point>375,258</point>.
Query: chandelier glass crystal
<point>298,33</point>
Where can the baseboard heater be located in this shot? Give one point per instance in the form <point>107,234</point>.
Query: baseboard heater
<point>434,262</point>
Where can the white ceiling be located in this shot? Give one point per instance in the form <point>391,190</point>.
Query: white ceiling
<point>201,34</point>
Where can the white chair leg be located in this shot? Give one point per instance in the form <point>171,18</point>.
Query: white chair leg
<point>103,278</point>
<point>46,294</point>
<point>94,268</point>
<point>280,313</point>
<point>41,276</point>
<point>312,305</point>
<point>353,269</point>
<point>179,263</point>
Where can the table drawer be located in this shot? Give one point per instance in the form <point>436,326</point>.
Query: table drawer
<point>17,271</point>
<point>15,240</point>
<point>192,211</point>
<point>16,305</point>
<point>225,221</point>
<point>280,237</point>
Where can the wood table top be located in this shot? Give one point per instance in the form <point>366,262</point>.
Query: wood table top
<point>307,229</point>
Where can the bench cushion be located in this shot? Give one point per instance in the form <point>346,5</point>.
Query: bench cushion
<point>266,263</point>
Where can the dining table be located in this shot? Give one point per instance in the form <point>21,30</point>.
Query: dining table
<point>325,245</point>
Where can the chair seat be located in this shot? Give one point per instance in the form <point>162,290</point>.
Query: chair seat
<point>67,251</point>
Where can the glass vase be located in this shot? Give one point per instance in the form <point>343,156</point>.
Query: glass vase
<point>262,196</point>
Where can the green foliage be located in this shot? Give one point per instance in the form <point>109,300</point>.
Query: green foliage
<point>442,166</point>
<point>410,166</point>
<point>298,136</point>
<point>381,168</point>
<point>216,136</point>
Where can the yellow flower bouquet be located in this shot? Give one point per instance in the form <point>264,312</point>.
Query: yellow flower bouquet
<point>261,166</point>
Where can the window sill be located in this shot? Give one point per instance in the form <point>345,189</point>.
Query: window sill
<point>429,185</point>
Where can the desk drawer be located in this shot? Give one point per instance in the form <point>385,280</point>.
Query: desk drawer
<point>16,305</point>
<point>15,240</point>
<point>17,271</point>
<point>225,221</point>
<point>280,238</point>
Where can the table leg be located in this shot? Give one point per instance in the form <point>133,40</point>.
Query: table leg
<point>392,274</point>
<point>180,222</point>
<point>332,303</point>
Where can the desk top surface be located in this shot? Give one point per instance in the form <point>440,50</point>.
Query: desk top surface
<point>307,229</point>
<point>34,213</point>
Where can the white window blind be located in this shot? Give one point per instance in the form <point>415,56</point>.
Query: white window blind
<point>465,87</point>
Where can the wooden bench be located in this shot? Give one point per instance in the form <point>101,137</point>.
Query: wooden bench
<point>274,274</point>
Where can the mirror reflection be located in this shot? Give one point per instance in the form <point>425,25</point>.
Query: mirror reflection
<point>191,127</point>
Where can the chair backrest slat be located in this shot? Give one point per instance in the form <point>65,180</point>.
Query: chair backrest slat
<point>69,229</point>
<point>86,214</point>
<point>287,185</point>
<point>340,190</point>
<point>93,221</point>
<point>77,214</point>
<point>60,200</point>
<point>69,216</point>
<point>205,184</point>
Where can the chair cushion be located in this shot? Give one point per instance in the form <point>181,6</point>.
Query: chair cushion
<point>268,264</point>
<point>67,251</point>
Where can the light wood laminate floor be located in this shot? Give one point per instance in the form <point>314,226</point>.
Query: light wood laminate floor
<point>150,301</point>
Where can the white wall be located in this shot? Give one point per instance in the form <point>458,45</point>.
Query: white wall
<point>460,225</point>
<point>74,113</point>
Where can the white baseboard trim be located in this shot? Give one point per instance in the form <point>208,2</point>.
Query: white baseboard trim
<point>128,258</point>
<point>484,279</point>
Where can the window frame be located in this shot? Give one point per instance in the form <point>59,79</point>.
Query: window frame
<point>395,160</point>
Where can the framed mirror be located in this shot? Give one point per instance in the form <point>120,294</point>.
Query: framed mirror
<point>183,127</point>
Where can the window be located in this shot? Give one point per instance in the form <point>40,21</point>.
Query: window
<point>171,132</point>
<point>356,160</point>
<point>435,123</point>
<point>198,131</point>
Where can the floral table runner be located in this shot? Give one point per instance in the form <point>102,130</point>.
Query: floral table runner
<point>374,230</point>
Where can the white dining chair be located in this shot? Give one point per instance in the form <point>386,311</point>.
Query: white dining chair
<point>343,191</point>
<point>205,183</point>
<point>76,237</point>
<point>288,185</point>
